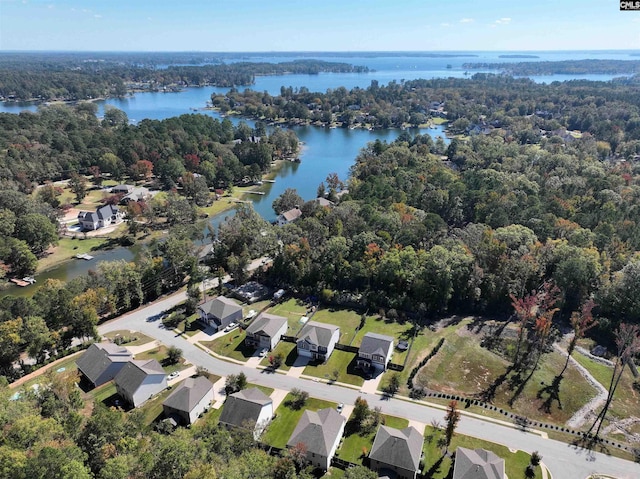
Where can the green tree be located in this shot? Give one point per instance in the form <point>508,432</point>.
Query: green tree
<point>37,231</point>
<point>359,472</point>
<point>174,355</point>
<point>78,186</point>
<point>288,200</point>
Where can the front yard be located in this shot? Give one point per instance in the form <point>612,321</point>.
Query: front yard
<point>160,355</point>
<point>341,361</point>
<point>128,338</point>
<point>231,345</point>
<point>289,353</point>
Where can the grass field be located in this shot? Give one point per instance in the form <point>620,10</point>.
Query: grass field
<point>68,365</point>
<point>289,353</point>
<point>231,345</point>
<point>341,361</point>
<point>293,310</point>
<point>160,355</point>
<point>281,428</point>
<point>69,247</point>
<point>347,320</point>
<point>476,370</point>
<point>398,331</point>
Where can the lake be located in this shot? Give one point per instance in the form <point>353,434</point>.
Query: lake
<point>325,150</point>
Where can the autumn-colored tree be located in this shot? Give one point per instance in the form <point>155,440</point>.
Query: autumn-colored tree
<point>627,338</point>
<point>581,322</point>
<point>142,169</point>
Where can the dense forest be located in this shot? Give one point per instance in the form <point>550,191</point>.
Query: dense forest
<point>567,67</point>
<point>76,77</point>
<point>521,108</point>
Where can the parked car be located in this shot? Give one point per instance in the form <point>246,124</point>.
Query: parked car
<point>263,352</point>
<point>173,375</point>
<point>230,327</point>
<point>340,407</point>
<point>251,314</point>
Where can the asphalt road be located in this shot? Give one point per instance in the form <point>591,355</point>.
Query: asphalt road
<point>564,461</point>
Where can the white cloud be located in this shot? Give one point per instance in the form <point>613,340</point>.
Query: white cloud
<point>503,21</point>
<point>467,20</point>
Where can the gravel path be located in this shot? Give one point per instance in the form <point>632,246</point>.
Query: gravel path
<point>579,418</point>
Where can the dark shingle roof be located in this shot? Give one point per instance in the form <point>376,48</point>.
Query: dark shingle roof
<point>244,407</point>
<point>477,464</point>
<point>398,447</point>
<point>106,211</point>
<point>266,324</point>
<point>317,333</point>
<point>134,373</point>
<point>188,394</point>
<point>318,431</point>
<point>99,356</point>
<point>292,214</point>
<point>220,307</point>
<point>373,343</point>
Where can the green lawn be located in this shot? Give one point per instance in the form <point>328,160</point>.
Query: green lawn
<point>194,326</point>
<point>104,393</point>
<point>477,369</point>
<point>626,400</point>
<point>281,428</point>
<point>288,351</point>
<point>348,320</point>
<point>437,467</point>
<point>132,338</point>
<point>68,365</point>
<point>152,409</point>
<point>293,310</point>
<point>231,345</point>
<point>342,361</point>
<point>355,447</point>
<point>160,355</point>
<point>69,247</point>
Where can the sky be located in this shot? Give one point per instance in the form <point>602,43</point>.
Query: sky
<point>307,25</point>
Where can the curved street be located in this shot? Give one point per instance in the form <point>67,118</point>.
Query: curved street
<point>563,460</point>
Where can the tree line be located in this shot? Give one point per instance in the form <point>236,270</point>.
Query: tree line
<point>562,67</point>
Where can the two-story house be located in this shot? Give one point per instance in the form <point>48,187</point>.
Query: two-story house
<point>102,361</point>
<point>189,400</point>
<point>397,450</point>
<point>139,381</point>
<point>265,331</point>
<point>247,409</point>
<point>317,340</point>
<point>103,216</point>
<point>220,312</point>
<point>375,352</point>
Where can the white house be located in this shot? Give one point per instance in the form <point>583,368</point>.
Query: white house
<point>102,361</point>
<point>375,352</point>
<point>103,216</point>
<point>265,331</point>
<point>320,433</point>
<point>139,381</point>
<point>189,400</point>
<point>249,408</point>
<point>317,340</point>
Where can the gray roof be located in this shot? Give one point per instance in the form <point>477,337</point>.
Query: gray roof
<point>477,464</point>
<point>220,307</point>
<point>106,211</point>
<point>292,214</point>
<point>266,324</point>
<point>398,447</point>
<point>99,356</point>
<point>318,333</point>
<point>318,431</point>
<point>373,343</point>
<point>188,394</point>
<point>134,373</point>
<point>323,201</point>
<point>244,407</point>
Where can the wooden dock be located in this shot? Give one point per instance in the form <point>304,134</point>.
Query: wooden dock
<point>84,256</point>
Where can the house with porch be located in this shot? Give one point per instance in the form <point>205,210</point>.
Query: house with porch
<point>106,215</point>
<point>375,352</point>
<point>320,433</point>
<point>317,340</point>
<point>265,331</point>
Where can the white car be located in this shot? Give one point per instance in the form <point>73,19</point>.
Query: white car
<point>173,375</point>
<point>263,352</point>
<point>340,407</point>
<point>230,327</point>
<point>251,314</point>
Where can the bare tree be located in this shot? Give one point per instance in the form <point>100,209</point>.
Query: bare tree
<point>581,322</point>
<point>452,417</point>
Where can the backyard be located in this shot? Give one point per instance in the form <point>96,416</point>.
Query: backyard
<point>281,428</point>
<point>293,310</point>
<point>347,319</point>
<point>160,355</point>
<point>355,447</point>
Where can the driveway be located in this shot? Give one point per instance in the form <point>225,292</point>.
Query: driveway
<point>563,460</point>
<point>297,369</point>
